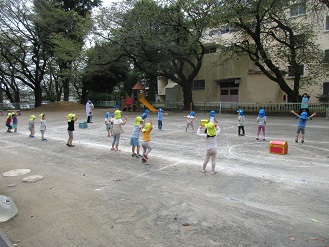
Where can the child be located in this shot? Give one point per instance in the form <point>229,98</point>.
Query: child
<point>261,122</point>
<point>108,124</point>
<point>302,119</point>
<point>240,122</point>
<point>31,126</point>
<point>117,129</point>
<point>71,119</point>
<point>160,118</point>
<point>210,134</point>
<point>304,105</point>
<point>43,126</point>
<point>8,123</point>
<point>144,116</point>
<point>212,118</point>
<point>146,130</point>
<point>15,122</point>
<point>190,119</point>
<point>134,139</point>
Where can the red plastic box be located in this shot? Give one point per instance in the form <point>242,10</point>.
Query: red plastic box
<point>278,147</point>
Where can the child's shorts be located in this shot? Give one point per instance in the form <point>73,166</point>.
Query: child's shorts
<point>134,141</point>
<point>108,127</point>
<point>15,126</point>
<point>301,129</point>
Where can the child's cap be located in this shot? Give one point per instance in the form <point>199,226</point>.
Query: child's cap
<point>138,120</point>
<point>41,115</point>
<point>211,131</point>
<point>212,113</point>
<point>9,114</point>
<point>144,115</point>
<point>304,115</point>
<point>261,113</point>
<point>147,127</point>
<point>107,114</point>
<point>241,112</point>
<point>160,109</point>
<point>117,114</point>
<point>192,113</point>
<point>32,117</point>
<point>70,116</point>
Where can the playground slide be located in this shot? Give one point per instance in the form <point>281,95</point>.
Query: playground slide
<point>147,104</point>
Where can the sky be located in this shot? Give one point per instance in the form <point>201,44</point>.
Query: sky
<point>107,2</point>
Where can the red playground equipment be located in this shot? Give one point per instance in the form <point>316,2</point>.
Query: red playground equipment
<point>134,103</point>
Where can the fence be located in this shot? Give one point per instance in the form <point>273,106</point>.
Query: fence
<point>250,107</point>
<point>231,106</point>
<point>105,104</point>
<point>15,106</point>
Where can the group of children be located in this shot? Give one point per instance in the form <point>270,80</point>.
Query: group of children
<point>114,123</point>
<point>114,128</point>
<point>12,117</point>
<point>261,123</point>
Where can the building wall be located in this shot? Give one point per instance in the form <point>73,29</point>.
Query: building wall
<point>253,85</point>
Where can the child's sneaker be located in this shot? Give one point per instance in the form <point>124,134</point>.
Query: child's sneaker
<point>263,139</point>
<point>302,141</point>
<point>139,156</point>
<point>203,171</point>
<point>213,172</point>
<point>133,155</point>
<point>144,159</point>
<point>257,138</point>
<point>296,140</point>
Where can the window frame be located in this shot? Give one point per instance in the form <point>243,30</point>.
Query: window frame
<point>291,73</point>
<point>199,85</point>
<point>325,88</point>
<point>326,24</point>
<point>326,56</point>
<point>300,8</point>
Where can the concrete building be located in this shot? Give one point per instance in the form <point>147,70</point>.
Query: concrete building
<point>229,79</point>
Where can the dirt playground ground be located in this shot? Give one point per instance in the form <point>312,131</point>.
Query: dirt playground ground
<point>91,196</point>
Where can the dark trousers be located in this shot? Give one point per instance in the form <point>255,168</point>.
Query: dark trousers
<point>88,119</point>
<point>239,130</point>
<point>159,124</point>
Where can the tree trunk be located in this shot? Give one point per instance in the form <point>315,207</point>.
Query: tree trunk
<point>66,88</point>
<point>187,95</point>
<point>37,95</point>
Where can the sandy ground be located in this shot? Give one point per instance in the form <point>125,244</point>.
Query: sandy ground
<point>91,196</point>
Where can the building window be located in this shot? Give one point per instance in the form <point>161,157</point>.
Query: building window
<point>326,25</point>
<point>325,88</point>
<point>326,56</point>
<point>210,50</point>
<point>234,92</point>
<point>298,9</point>
<point>198,85</point>
<point>300,40</point>
<point>291,70</point>
<point>214,32</point>
<point>224,92</point>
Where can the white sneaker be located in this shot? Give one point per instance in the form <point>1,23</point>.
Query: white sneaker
<point>213,172</point>
<point>203,171</point>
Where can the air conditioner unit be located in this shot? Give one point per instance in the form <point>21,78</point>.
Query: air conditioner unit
<point>237,81</point>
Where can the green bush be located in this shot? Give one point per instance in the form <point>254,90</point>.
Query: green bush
<point>323,98</point>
